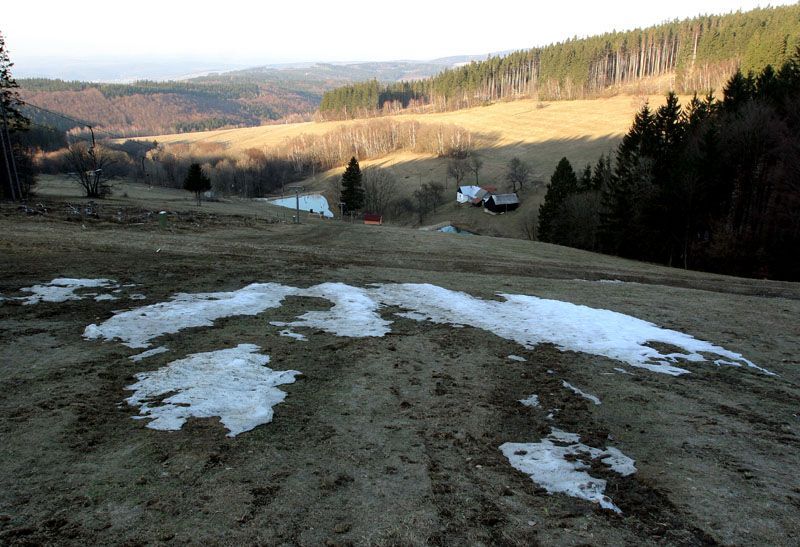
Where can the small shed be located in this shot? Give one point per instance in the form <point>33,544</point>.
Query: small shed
<point>371,218</point>
<point>501,203</point>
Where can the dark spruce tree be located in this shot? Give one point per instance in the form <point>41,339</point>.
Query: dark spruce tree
<point>563,183</point>
<point>196,182</point>
<point>16,169</point>
<point>352,195</point>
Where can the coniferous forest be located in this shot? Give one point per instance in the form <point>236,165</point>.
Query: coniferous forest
<point>690,55</point>
<point>713,185</point>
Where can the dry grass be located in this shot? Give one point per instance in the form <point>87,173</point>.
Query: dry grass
<point>539,133</point>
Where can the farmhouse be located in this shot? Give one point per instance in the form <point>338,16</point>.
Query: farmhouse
<point>466,194</point>
<point>501,203</point>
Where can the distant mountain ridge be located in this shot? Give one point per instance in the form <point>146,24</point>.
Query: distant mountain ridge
<point>235,98</point>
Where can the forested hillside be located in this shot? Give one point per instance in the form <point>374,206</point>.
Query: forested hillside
<point>714,185</point>
<point>232,99</point>
<point>686,56</point>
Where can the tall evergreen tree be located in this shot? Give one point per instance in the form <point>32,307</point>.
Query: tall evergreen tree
<point>196,181</point>
<point>563,183</point>
<point>16,170</point>
<point>352,191</point>
<point>633,169</point>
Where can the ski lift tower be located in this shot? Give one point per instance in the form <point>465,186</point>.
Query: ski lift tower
<point>297,190</point>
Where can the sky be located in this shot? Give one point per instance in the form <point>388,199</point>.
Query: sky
<point>234,32</point>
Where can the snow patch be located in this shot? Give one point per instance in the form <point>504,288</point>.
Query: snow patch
<point>295,335</point>
<point>234,384</point>
<point>62,289</point>
<point>135,328</point>
<point>149,353</point>
<point>527,320</point>
<point>547,464</point>
<point>311,202</point>
<point>582,393</point>
<point>516,358</point>
<point>354,313</point>
<point>531,400</point>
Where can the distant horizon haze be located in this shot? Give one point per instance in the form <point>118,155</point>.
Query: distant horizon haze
<point>178,39</point>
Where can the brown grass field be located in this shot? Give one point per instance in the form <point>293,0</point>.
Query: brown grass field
<point>539,133</point>
<point>382,441</point>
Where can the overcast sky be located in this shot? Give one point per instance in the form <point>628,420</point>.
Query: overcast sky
<point>261,32</point>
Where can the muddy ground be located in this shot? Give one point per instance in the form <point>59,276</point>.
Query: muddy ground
<point>392,440</point>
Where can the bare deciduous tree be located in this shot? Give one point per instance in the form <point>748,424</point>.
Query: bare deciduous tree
<point>474,162</point>
<point>458,169</point>
<point>380,188</point>
<point>518,173</point>
<point>89,165</point>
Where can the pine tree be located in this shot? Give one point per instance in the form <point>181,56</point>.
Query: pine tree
<point>16,169</point>
<point>196,181</point>
<point>352,195</point>
<point>9,96</point>
<point>563,183</point>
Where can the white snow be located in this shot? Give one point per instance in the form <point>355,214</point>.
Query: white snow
<point>295,335</point>
<point>516,358</point>
<point>310,202</point>
<point>547,465</point>
<point>527,320</point>
<point>149,353</point>
<point>354,313</point>
<point>234,384</point>
<point>62,289</point>
<point>102,297</point>
<point>136,327</point>
<point>531,400</point>
<point>582,393</point>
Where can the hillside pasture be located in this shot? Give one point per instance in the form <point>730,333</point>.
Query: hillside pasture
<point>539,133</point>
<point>387,439</point>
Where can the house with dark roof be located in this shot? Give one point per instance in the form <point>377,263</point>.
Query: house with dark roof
<point>501,203</point>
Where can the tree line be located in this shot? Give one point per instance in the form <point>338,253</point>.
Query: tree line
<point>698,54</point>
<point>714,185</point>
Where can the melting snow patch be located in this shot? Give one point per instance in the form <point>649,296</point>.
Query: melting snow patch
<point>234,384</point>
<point>527,320</point>
<point>149,353</point>
<point>135,328</point>
<point>532,400</point>
<point>621,370</point>
<point>295,335</point>
<point>62,289</point>
<point>582,393</point>
<point>547,464</point>
<point>102,297</point>
<point>137,296</point>
<point>354,312</point>
<point>516,358</point>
